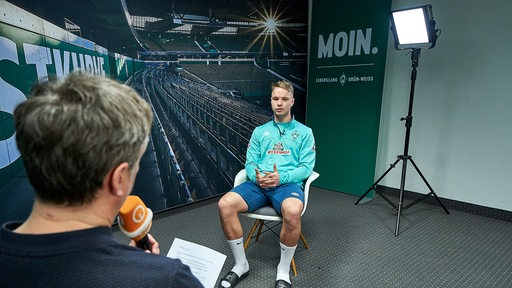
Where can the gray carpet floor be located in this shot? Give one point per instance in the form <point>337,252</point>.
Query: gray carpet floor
<point>355,245</point>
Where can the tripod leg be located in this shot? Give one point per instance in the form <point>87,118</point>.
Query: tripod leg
<point>401,198</point>
<point>374,186</point>
<point>429,187</point>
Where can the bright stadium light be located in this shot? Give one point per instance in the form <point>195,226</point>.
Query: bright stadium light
<point>414,28</point>
<point>270,25</point>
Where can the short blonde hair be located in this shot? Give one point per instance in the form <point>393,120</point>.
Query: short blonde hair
<point>284,85</point>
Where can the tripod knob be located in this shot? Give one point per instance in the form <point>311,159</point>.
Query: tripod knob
<point>408,121</point>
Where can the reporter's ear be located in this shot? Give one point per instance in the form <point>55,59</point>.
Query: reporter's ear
<point>120,179</point>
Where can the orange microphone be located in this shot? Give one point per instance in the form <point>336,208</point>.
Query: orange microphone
<point>135,220</point>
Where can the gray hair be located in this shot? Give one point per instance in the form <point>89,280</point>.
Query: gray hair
<point>71,132</point>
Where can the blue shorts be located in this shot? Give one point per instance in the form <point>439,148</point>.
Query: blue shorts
<point>257,197</point>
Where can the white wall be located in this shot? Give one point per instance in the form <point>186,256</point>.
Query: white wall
<point>461,136</point>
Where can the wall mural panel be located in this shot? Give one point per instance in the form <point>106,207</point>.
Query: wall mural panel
<point>205,68</point>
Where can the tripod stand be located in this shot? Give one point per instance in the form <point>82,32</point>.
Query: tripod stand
<point>405,157</point>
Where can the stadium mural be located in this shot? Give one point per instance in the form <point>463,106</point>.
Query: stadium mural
<point>206,74</point>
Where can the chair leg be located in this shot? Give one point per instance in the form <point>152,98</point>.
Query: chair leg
<point>304,240</point>
<point>294,268</point>
<point>259,229</point>
<point>250,234</point>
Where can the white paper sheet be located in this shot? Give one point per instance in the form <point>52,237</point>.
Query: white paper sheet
<point>205,263</point>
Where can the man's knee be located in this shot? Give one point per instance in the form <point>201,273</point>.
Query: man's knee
<point>231,203</point>
<point>291,209</point>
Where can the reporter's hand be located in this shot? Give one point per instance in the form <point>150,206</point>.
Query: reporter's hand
<point>154,245</point>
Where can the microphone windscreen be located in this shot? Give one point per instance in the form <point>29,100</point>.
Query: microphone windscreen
<point>135,218</point>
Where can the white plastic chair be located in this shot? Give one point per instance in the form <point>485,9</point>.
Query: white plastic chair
<point>268,213</point>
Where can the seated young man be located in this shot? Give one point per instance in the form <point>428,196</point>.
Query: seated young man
<point>280,156</point>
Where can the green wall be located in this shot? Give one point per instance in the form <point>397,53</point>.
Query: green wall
<point>347,55</point>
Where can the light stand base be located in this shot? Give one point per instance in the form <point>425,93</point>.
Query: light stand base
<point>399,206</point>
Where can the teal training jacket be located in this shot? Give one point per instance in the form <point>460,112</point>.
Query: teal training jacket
<point>289,145</point>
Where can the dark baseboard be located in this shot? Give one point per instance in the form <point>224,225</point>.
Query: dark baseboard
<point>187,207</point>
<point>178,209</point>
<point>449,204</point>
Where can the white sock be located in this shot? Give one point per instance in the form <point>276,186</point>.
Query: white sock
<point>283,269</point>
<point>241,264</point>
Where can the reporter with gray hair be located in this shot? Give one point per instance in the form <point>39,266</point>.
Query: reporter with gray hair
<point>81,139</point>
